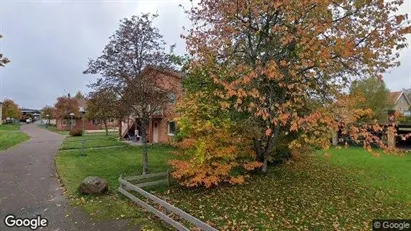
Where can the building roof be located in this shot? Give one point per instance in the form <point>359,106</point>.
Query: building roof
<point>167,71</point>
<point>28,110</point>
<point>394,96</point>
<point>82,103</point>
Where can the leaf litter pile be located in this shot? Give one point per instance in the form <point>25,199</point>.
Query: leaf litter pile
<point>305,195</point>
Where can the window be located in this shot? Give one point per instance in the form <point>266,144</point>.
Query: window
<point>74,122</point>
<point>171,128</point>
<point>172,98</point>
<point>111,120</point>
<point>64,122</point>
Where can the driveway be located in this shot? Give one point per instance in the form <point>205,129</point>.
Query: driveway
<point>29,186</point>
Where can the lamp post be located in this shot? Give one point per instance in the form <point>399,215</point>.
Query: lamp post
<point>82,112</point>
<point>48,120</point>
<point>71,120</point>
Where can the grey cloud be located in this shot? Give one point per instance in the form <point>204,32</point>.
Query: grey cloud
<point>49,43</point>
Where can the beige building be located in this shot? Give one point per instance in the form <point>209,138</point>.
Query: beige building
<point>401,102</point>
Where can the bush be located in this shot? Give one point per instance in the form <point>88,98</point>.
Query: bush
<point>76,132</point>
<point>281,152</point>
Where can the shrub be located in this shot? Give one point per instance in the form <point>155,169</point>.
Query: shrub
<point>212,154</point>
<point>76,132</point>
<point>282,152</point>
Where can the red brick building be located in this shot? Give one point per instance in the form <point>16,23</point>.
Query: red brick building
<point>68,123</point>
<point>161,128</point>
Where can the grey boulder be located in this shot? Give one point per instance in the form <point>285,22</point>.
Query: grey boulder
<point>93,185</point>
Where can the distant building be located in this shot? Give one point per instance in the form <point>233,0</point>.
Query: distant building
<point>401,102</point>
<point>161,127</point>
<point>26,113</point>
<point>67,123</point>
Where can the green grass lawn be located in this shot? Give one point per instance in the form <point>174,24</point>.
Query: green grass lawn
<point>53,128</point>
<point>342,191</point>
<point>93,140</point>
<point>382,172</point>
<point>11,135</point>
<point>110,163</point>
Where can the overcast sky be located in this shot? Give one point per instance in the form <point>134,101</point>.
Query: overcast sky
<point>50,41</point>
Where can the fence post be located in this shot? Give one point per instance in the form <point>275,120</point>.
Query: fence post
<point>334,137</point>
<point>390,137</point>
<point>168,178</point>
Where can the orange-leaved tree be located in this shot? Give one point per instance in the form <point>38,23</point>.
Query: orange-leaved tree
<point>10,109</point>
<point>66,105</point>
<point>102,106</point>
<point>275,59</point>
<point>48,112</point>
<point>213,152</point>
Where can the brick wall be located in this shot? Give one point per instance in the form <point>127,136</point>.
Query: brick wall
<point>88,125</point>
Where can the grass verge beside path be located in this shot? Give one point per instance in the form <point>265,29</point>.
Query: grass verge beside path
<point>53,128</point>
<point>110,164</point>
<point>11,135</point>
<point>316,193</point>
<point>343,191</point>
<point>383,172</point>
<point>92,141</point>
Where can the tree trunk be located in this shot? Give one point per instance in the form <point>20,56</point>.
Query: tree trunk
<point>144,141</point>
<point>271,142</point>
<point>257,148</point>
<point>105,126</point>
<point>120,128</point>
<point>265,166</point>
<point>334,137</point>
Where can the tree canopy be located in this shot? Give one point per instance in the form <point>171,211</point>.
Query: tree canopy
<point>10,109</point>
<point>377,95</point>
<point>50,111</point>
<point>125,65</point>
<point>103,105</point>
<point>79,95</point>
<point>66,105</point>
<point>285,63</point>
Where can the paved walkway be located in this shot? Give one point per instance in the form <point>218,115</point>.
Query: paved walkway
<point>29,186</point>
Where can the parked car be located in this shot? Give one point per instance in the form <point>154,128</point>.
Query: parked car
<point>29,120</point>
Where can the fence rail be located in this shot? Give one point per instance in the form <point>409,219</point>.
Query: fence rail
<point>126,186</point>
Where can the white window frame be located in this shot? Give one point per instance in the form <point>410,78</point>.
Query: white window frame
<point>73,122</point>
<point>168,128</point>
<point>64,122</point>
<point>172,98</point>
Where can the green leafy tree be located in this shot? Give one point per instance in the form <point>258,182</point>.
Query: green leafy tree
<point>102,106</point>
<point>66,105</point>
<point>376,94</point>
<point>48,110</point>
<point>79,95</point>
<point>48,113</point>
<point>10,109</point>
<point>126,65</point>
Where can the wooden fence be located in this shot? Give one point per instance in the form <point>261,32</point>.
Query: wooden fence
<point>389,137</point>
<point>126,186</point>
